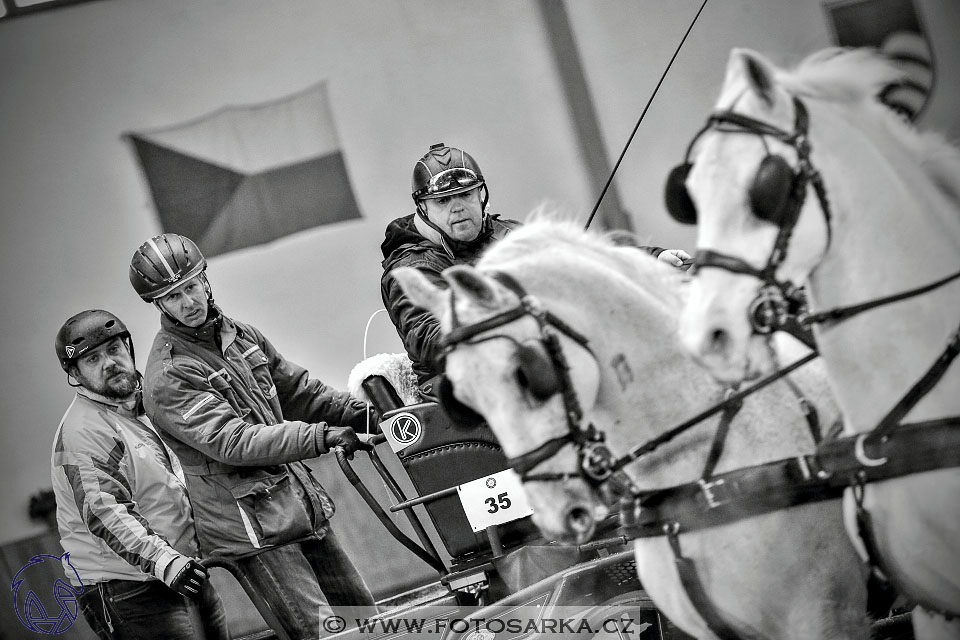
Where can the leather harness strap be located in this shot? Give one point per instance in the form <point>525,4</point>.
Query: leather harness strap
<point>693,586</point>
<point>751,491</point>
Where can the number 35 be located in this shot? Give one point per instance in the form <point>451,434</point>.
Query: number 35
<point>502,501</point>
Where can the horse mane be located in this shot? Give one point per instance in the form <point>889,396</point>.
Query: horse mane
<point>543,234</point>
<point>855,77</point>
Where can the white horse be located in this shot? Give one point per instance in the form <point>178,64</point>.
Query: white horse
<point>790,573</point>
<point>881,217</point>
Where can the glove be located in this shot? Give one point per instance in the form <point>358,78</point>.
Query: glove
<point>188,580</point>
<point>346,438</point>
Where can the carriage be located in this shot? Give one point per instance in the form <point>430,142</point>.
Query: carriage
<point>495,571</point>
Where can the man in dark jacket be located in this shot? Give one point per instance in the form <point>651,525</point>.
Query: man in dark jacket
<point>241,417</point>
<point>451,226</point>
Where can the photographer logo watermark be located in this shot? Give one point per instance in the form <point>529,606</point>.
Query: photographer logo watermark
<point>40,606</point>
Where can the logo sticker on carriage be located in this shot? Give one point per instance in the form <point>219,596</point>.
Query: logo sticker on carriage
<point>402,430</point>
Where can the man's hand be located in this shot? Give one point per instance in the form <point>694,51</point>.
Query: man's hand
<point>677,258</point>
<point>346,438</point>
<point>188,579</point>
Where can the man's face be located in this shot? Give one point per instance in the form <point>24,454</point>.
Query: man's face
<point>187,303</point>
<point>460,215</point>
<point>107,369</point>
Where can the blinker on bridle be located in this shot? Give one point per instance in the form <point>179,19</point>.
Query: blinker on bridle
<point>594,457</point>
<point>777,302</point>
<point>777,195</point>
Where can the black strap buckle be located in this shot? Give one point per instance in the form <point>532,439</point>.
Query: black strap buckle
<point>708,488</point>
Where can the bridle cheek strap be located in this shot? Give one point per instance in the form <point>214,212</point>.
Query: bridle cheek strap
<point>525,463</point>
<point>770,310</point>
<point>549,326</point>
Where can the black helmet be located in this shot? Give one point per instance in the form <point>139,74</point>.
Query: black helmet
<point>86,330</point>
<point>163,263</point>
<point>444,171</point>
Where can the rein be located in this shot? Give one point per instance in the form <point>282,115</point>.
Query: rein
<point>839,314</point>
<point>732,400</point>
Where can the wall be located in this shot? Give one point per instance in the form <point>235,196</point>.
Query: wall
<point>401,75</point>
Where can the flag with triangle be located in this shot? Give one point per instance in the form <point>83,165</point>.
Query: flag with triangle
<point>243,176</point>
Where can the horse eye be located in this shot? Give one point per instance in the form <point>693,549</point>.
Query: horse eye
<point>522,379</point>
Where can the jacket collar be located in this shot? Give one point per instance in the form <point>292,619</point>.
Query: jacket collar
<point>218,329</point>
<point>129,407</point>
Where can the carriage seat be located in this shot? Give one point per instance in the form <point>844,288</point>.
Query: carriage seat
<point>440,455</point>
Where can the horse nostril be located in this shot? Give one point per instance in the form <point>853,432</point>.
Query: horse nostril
<point>580,522</point>
<point>718,341</point>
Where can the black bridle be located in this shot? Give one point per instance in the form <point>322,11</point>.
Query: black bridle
<point>597,465</point>
<point>777,300</point>
<point>591,451</point>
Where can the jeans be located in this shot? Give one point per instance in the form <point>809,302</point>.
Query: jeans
<point>148,610</point>
<point>303,581</point>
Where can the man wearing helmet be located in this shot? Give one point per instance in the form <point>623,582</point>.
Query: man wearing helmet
<point>122,507</point>
<point>241,418</point>
<point>450,226</point>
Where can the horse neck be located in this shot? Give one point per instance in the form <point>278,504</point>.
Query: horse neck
<point>892,231</point>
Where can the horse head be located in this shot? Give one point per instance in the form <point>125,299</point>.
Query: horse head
<point>507,375</point>
<point>785,161</point>
<point>613,331</point>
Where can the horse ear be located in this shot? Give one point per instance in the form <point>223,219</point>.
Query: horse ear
<point>469,283</point>
<point>420,290</point>
<point>749,68</point>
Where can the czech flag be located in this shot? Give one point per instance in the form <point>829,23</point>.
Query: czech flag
<point>243,176</point>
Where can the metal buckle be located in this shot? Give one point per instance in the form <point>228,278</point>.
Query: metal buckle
<point>768,311</point>
<point>595,461</point>
<point>707,488</point>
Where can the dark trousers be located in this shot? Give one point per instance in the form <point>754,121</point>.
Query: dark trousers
<point>303,583</point>
<point>128,610</point>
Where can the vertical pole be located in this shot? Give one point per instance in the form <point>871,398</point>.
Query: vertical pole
<point>582,112</point>
<point>493,537</point>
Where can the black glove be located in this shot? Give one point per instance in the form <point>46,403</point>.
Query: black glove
<point>189,580</point>
<point>346,438</point>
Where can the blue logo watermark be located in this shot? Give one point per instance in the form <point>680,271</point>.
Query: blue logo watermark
<point>49,618</point>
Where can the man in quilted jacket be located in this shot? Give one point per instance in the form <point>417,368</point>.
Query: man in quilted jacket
<point>241,418</point>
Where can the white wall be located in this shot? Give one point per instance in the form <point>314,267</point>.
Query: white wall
<point>401,75</point>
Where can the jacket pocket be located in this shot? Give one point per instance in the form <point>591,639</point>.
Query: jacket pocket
<point>271,510</point>
<point>221,383</point>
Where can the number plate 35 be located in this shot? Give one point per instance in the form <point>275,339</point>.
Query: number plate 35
<point>495,499</point>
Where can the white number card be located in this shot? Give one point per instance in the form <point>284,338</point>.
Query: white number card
<point>494,500</point>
